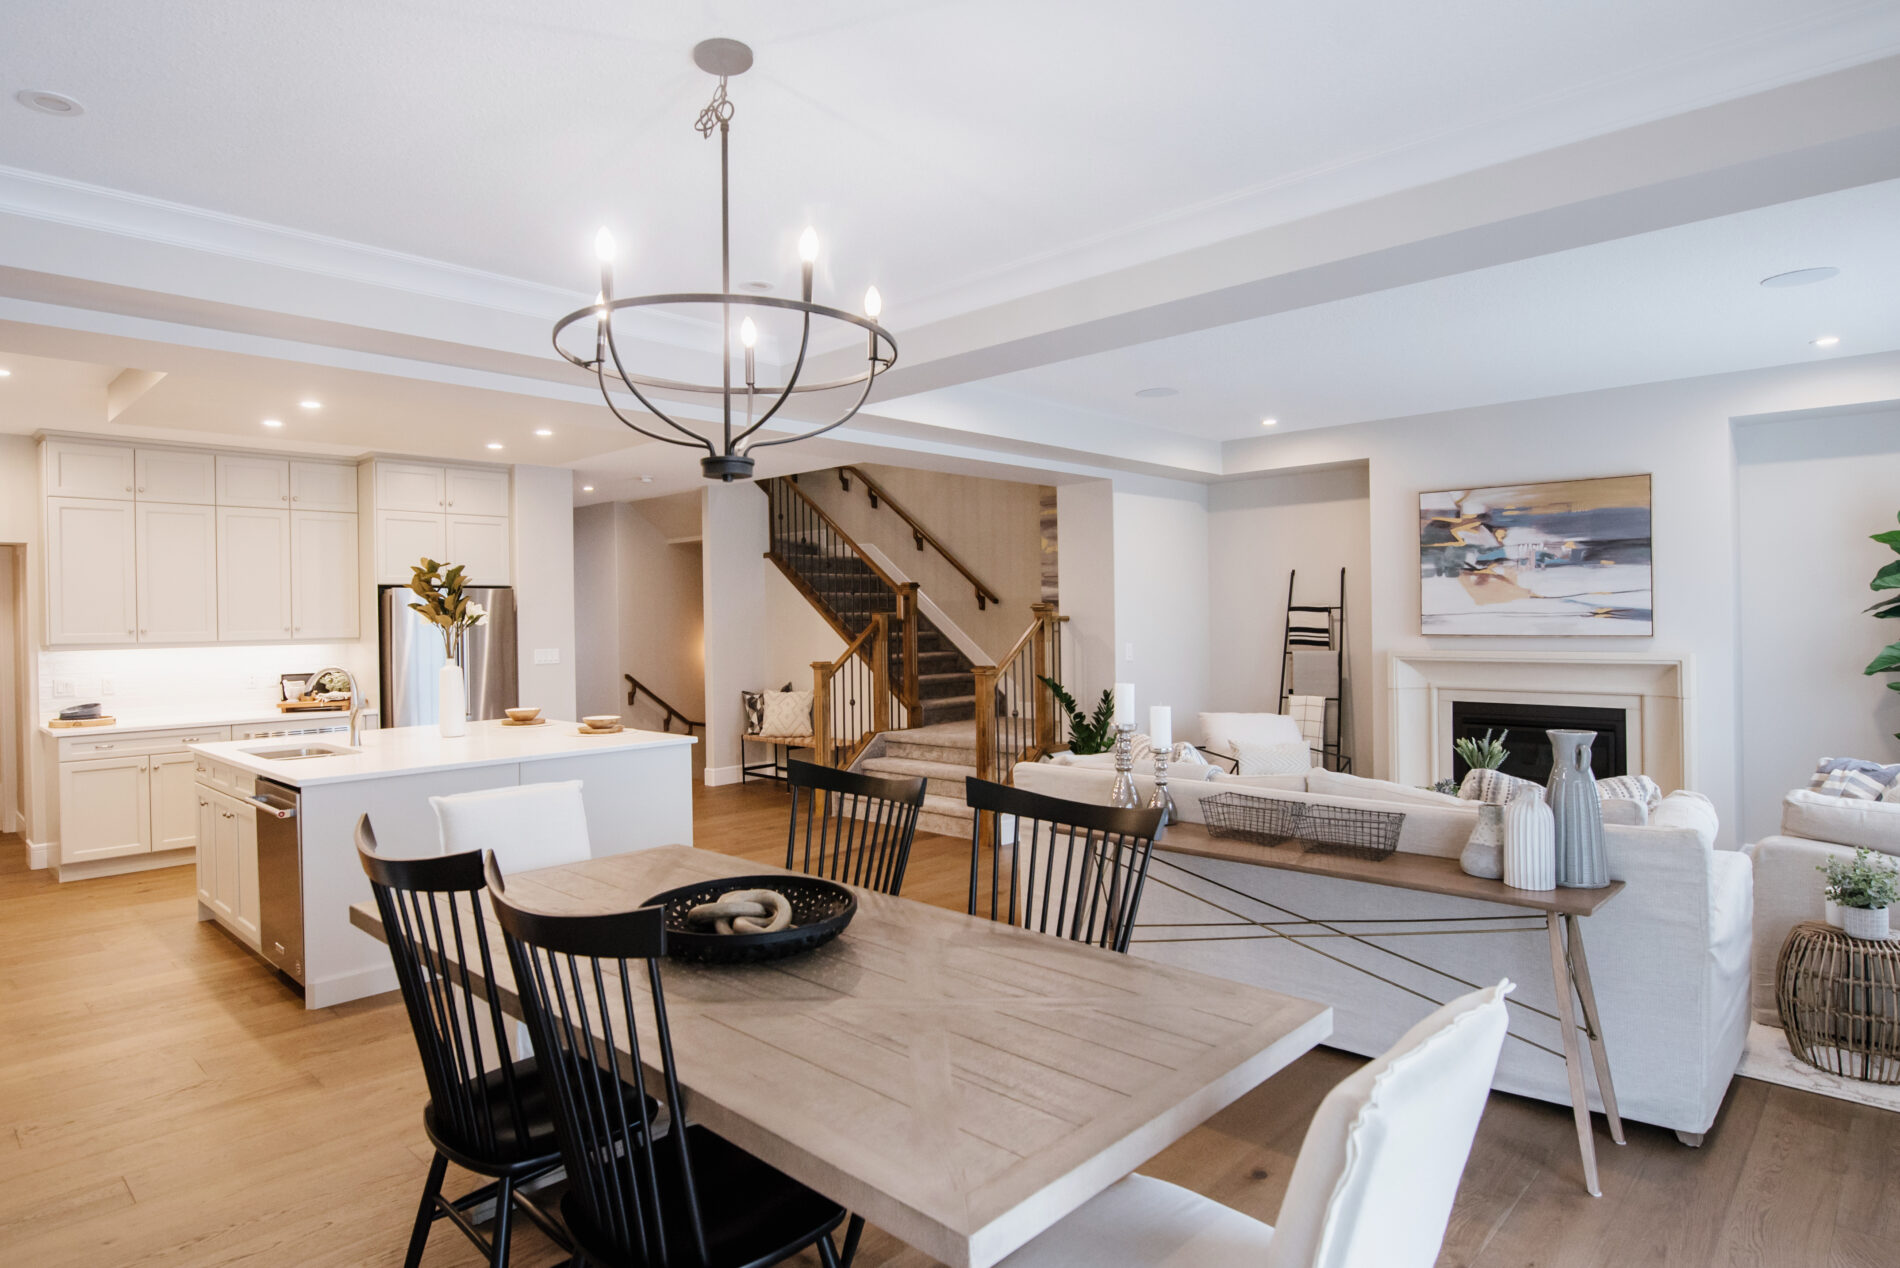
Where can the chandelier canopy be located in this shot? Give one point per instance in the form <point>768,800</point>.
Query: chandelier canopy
<point>748,406</point>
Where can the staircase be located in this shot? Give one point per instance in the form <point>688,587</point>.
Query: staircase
<point>943,754</point>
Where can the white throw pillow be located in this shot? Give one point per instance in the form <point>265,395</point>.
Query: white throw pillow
<point>1220,730</point>
<point>1630,788</point>
<point>787,713</point>
<point>1333,784</point>
<point>1283,758</point>
<point>1840,820</point>
<point>1691,810</point>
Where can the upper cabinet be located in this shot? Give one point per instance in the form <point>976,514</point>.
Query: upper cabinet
<point>322,486</point>
<point>91,570</point>
<point>178,573</point>
<point>477,491</point>
<point>455,515</point>
<point>323,599</point>
<point>260,482</point>
<point>254,583</point>
<point>87,469</point>
<point>187,476</point>
<point>409,486</point>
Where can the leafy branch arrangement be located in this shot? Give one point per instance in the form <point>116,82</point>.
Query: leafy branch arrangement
<point>1887,579</point>
<point>1485,754</point>
<point>440,588</point>
<point>1861,883</point>
<point>1094,733</point>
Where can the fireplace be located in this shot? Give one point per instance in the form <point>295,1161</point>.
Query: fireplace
<point>1530,751</point>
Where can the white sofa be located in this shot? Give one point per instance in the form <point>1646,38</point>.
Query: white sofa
<point>1815,827</point>
<point>1669,956</point>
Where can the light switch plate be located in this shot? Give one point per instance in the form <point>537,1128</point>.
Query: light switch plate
<point>1128,651</point>
<point>547,655</point>
<point>105,686</point>
<point>62,686</point>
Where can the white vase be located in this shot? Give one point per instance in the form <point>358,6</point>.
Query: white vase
<point>1831,911</point>
<point>1530,842</point>
<point>1864,922</point>
<point>451,717</point>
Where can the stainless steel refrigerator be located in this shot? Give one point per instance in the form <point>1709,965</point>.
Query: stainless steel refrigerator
<point>412,657</point>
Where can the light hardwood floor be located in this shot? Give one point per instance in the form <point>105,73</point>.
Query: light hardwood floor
<point>165,1100</point>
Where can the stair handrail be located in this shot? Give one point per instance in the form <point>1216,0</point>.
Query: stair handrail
<point>919,534</point>
<point>908,691</point>
<point>1015,710</point>
<point>865,666</point>
<point>635,687</point>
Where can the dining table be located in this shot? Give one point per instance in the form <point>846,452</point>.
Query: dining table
<point>960,1083</point>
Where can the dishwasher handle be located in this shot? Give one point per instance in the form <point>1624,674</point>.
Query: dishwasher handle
<point>272,808</point>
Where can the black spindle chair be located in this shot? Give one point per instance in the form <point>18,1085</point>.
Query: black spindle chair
<point>685,1200</point>
<point>1071,868</point>
<point>857,829</point>
<point>488,1110</point>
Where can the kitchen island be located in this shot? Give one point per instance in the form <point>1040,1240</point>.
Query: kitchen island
<point>636,785</point>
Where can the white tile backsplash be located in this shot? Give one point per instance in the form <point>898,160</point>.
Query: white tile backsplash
<point>198,681</point>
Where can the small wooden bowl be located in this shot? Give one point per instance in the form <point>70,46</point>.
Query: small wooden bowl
<point>522,715</point>
<point>602,721</point>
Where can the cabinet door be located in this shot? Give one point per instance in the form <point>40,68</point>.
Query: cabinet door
<point>91,572</point>
<point>322,486</point>
<point>253,574</point>
<point>477,491</point>
<point>174,802</point>
<point>323,599</point>
<point>104,809</point>
<point>253,481</point>
<point>224,859</point>
<point>404,539</point>
<point>409,486</point>
<point>178,573</point>
<point>83,469</point>
<point>207,845</point>
<point>480,544</point>
<point>177,475</point>
<point>244,910</point>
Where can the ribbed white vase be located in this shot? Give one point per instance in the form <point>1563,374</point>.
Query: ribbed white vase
<point>451,716</point>
<point>1530,842</point>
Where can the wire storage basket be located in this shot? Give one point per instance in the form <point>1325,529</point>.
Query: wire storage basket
<point>1349,830</point>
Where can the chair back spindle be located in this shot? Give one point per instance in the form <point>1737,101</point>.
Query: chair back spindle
<point>852,828</point>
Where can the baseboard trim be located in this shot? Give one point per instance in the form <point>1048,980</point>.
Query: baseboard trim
<point>345,987</point>
<point>720,775</point>
<point>123,865</point>
<point>39,854</point>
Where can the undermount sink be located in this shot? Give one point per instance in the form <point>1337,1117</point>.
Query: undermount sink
<point>301,751</point>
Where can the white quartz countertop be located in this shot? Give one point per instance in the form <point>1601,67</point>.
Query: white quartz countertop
<point>171,719</point>
<point>411,750</point>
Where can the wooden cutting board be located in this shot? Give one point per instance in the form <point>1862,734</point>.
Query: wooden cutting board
<point>63,724</point>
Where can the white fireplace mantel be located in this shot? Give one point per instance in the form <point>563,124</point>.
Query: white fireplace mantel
<point>1656,691</point>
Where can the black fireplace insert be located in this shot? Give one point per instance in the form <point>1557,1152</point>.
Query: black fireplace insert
<point>1530,751</point>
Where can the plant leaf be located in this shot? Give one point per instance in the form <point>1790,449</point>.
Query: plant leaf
<point>1885,607</point>
<point>1887,662</point>
<point>1889,538</point>
<point>1888,578</point>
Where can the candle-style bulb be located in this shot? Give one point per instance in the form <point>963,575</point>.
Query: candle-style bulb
<point>604,245</point>
<point>748,333</point>
<point>808,245</point>
<point>873,303</point>
<point>600,305</point>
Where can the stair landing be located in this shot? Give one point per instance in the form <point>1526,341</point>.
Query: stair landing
<point>945,754</point>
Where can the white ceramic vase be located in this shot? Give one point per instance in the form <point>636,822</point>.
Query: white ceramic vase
<point>1831,911</point>
<point>451,717</point>
<point>1864,922</point>
<point>1530,842</point>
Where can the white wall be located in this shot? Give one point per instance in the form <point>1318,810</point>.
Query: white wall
<point>799,634</point>
<point>1809,493</point>
<point>733,543</point>
<point>544,586</point>
<point>1085,524</point>
<point>1258,531</point>
<point>596,611</point>
<point>661,619</point>
<point>1161,597</point>
<point>20,522</point>
<point>13,710</point>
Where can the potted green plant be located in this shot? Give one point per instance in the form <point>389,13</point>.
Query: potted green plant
<point>440,587</point>
<point>1088,733</point>
<point>1483,854</point>
<point>1885,583</point>
<point>1863,890</point>
<point>1485,754</point>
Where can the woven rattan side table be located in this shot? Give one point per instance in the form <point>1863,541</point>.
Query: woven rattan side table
<point>1840,1002</point>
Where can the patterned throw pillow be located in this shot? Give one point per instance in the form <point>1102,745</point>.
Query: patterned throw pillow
<point>1852,778</point>
<point>1293,758</point>
<point>1493,786</point>
<point>1630,788</point>
<point>754,712</point>
<point>787,713</point>
<point>1142,748</point>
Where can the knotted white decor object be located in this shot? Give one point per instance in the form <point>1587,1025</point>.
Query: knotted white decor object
<point>744,911</point>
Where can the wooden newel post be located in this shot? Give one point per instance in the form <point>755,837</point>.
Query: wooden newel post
<point>880,674</point>
<point>907,598</point>
<point>1039,693</point>
<point>821,712</point>
<point>985,676</point>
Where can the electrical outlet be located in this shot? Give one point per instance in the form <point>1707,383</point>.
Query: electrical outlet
<point>63,687</point>
<point>250,682</point>
<point>105,686</point>
<point>1128,652</point>
<point>547,655</point>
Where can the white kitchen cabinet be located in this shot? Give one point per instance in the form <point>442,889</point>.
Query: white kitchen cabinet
<point>323,598</point>
<point>476,491</point>
<point>253,574</point>
<point>244,916</point>
<point>174,798</point>
<point>88,469</point>
<point>105,808</point>
<point>91,571</point>
<point>207,838</point>
<point>405,538</point>
<point>480,544</point>
<point>322,486</point>
<point>177,573</point>
<point>227,861</point>
<point>410,486</point>
<point>176,475</point>
<point>224,858</point>
<point>246,481</point>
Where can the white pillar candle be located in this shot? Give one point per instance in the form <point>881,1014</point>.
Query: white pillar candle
<point>1161,726</point>
<point>1124,704</point>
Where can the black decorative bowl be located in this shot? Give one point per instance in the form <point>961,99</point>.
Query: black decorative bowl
<point>820,911</point>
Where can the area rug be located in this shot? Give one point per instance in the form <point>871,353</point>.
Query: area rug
<point>1767,1058</point>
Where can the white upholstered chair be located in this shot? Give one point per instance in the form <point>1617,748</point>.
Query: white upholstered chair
<point>529,826</point>
<point>1372,1187</point>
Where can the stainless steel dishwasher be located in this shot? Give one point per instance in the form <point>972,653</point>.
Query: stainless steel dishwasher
<point>280,877</point>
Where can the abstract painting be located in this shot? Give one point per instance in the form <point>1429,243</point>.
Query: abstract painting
<point>1563,558</point>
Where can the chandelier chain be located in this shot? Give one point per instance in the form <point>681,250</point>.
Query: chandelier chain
<point>717,113</point>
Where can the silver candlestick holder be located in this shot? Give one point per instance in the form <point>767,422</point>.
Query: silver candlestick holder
<point>1162,799</point>
<point>1123,794</point>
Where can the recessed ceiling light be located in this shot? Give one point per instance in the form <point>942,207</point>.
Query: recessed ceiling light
<point>587,488</point>
<point>758,286</point>
<point>1156,391</point>
<point>6,374</point>
<point>1268,422</point>
<point>646,479</point>
<point>310,404</point>
<point>494,444</point>
<point>544,431</point>
<point>1801,277</point>
<point>53,103</point>
<point>1826,341</point>
<point>273,422</point>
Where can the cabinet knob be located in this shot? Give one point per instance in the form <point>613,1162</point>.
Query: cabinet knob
<point>128,488</point>
<point>141,488</point>
<point>283,497</point>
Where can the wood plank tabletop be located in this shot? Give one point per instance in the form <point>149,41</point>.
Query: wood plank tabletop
<point>961,1084</point>
<point>1425,872</point>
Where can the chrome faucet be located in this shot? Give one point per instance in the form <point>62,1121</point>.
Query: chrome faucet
<point>356,700</point>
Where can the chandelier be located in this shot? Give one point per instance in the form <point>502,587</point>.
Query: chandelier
<point>744,407</point>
